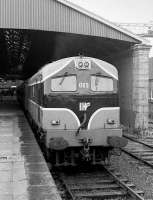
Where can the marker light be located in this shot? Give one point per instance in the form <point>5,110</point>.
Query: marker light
<point>110,121</point>
<point>55,122</point>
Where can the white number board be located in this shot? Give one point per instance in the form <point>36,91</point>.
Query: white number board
<point>83,64</point>
<point>83,85</point>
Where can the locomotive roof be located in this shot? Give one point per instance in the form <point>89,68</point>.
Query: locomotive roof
<point>52,68</point>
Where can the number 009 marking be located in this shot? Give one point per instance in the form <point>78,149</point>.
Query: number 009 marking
<point>83,85</point>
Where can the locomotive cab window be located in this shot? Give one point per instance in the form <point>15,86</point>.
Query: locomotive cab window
<point>101,84</point>
<point>66,83</point>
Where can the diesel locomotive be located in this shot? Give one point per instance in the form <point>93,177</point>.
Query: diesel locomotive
<point>73,105</point>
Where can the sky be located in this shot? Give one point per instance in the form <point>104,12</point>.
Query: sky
<point>132,11</point>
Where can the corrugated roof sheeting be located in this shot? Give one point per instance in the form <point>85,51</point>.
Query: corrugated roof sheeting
<point>79,24</point>
<point>51,15</point>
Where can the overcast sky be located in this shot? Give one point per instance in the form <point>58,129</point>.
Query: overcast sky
<point>120,10</point>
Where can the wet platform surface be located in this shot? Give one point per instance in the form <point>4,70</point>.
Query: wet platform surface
<point>24,174</point>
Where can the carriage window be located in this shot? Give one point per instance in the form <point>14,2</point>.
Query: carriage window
<point>101,84</point>
<point>64,83</point>
<point>33,91</point>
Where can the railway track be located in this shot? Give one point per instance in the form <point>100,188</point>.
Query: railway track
<point>98,183</point>
<point>141,150</point>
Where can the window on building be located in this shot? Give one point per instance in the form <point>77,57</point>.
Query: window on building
<point>151,95</point>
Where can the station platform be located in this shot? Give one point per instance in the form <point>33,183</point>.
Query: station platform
<point>24,174</point>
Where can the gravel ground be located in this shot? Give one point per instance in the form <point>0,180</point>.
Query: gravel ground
<point>136,172</point>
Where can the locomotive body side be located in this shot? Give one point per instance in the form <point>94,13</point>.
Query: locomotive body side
<point>74,106</point>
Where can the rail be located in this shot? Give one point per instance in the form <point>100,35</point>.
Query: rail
<point>105,184</point>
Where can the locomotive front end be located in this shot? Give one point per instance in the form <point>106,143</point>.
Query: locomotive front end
<point>81,113</point>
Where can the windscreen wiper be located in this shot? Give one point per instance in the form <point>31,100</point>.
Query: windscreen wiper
<point>63,78</point>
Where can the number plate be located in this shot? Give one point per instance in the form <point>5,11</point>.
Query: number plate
<point>83,64</point>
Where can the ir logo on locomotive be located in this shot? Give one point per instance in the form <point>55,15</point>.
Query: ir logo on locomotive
<point>83,106</point>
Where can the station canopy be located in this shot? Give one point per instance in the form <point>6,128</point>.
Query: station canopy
<point>48,30</point>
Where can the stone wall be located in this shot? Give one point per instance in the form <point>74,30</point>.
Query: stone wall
<point>133,67</point>
<point>141,85</point>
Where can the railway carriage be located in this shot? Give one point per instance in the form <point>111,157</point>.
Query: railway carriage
<point>73,105</point>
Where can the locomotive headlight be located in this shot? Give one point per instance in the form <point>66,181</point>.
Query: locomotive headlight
<point>80,64</point>
<point>55,122</point>
<point>110,121</point>
<point>86,64</point>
